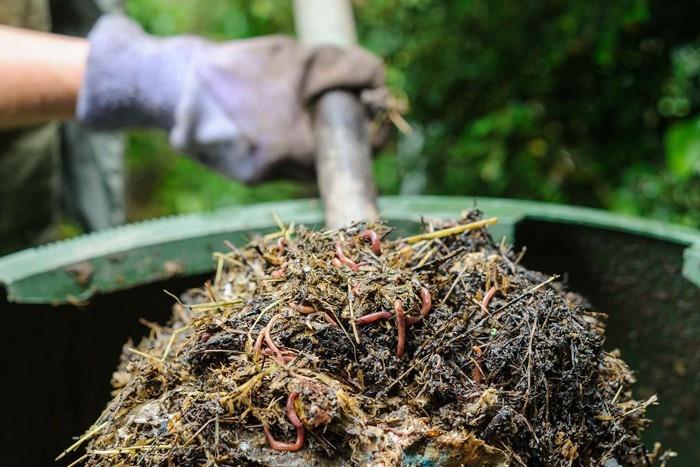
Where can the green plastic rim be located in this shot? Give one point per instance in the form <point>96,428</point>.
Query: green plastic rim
<point>77,269</point>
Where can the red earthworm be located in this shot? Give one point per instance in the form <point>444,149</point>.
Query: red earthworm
<point>278,273</point>
<point>287,354</point>
<point>411,320</point>
<point>426,305</point>
<point>294,419</point>
<point>292,411</point>
<point>400,328</point>
<point>281,243</point>
<point>303,309</point>
<point>372,236</point>
<point>330,319</point>
<point>336,262</point>
<point>344,259</point>
<point>426,302</point>
<point>372,317</point>
<point>258,342</point>
<point>487,298</point>
<point>268,339</point>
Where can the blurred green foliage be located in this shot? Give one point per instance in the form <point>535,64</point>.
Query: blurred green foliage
<point>589,102</point>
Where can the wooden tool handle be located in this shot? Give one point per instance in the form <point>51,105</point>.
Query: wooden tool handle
<point>343,158</point>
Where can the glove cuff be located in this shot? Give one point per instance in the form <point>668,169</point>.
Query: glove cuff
<point>133,79</point>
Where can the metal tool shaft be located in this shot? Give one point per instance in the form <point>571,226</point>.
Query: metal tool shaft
<point>343,159</point>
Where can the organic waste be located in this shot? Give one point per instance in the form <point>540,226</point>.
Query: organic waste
<point>354,347</point>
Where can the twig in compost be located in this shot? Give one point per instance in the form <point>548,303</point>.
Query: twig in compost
<point>529,364</point>
<point>219,271</point>
<point>352,313</point>
<point>81,440</point>
<point>201,428</point>
<point>454,283</point>
<point>458,229</point>
<point>171,340</point>
<point>143,354</point>
<point>511,302</point>
<point>526,293</point>
<point>78,460</point>
<point>477,372</point>
<point>128,449</point>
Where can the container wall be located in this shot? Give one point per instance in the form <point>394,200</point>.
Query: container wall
<point>56,364</point>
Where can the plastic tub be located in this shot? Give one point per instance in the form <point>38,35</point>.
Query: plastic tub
<point>68,307</point>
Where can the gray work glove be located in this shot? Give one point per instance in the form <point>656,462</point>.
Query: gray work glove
<point>238,107</point>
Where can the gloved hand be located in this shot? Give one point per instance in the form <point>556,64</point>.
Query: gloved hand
<point>239,107</point>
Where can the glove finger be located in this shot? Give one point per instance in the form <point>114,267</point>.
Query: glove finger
<point>347,68</point>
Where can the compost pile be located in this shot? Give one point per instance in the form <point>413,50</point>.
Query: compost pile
<point>343,347</point>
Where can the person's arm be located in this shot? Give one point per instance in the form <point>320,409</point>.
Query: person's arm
<point>238,107</point>
<point>40,76</point>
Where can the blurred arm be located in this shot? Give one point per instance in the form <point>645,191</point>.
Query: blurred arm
<point>40,76</point>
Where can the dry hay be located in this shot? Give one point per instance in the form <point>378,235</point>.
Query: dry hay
<point>338,348</point>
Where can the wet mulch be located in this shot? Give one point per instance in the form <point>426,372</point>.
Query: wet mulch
<point>343,347</point>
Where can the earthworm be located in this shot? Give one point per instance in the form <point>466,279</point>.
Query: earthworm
<point>372,317</point>
<point>426,302</point>
<point>329,319</point>
<point>303,309</point>
<point>400,328</point>
<point>487,298</point>
<point>426,305</point>
<point>372,236</point>
<point>279,272</point>
<point>287,355</point>
<point>344,259</point>
<point>258,342</point>
<point>411,320</point>
<point>294,419</point>
<point>336,262</point>
<point>268,339</point>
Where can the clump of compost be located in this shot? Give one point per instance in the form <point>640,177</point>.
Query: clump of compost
<point>343,347</point>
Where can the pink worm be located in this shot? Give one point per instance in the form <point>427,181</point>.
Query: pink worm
<point>344,259</point>
<point>400,328</point>
<point>372,236</point>
<point>372,317</point>
<point>294,419</point>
